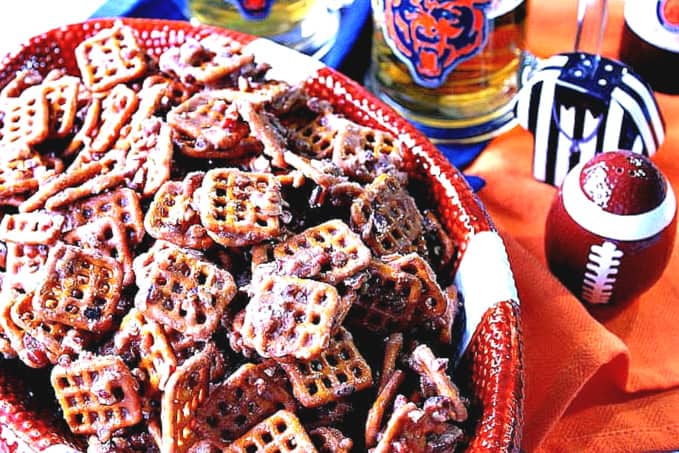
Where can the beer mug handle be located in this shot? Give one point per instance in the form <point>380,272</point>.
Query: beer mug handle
<point>591,24</point>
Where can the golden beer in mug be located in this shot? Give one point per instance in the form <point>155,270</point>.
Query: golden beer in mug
<point>449,66</point>
<point>305,25</point>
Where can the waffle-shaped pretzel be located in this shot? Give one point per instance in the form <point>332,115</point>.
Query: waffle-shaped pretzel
<point>81,288</point>
<point>144,262</point>
<point>76,183</point>
<point>97,394</point>
<point>150,156</point>
<point>245,398</point>
<point>110,57</point>
<point>150,344</point>
<point>386,300</point>
<point>25,119</point>
<point>108,238</point>
<point>433,303</point>
<point>121,205</point>
<point>24,265</point>
<point>240,208</point>
<point>413,429</point>
<point>388,219</point>
<point>259,94</point>
<point>433,370</point>
<point>25,171</point>
<point>330,440</point>
<point>62,97</point>
<point>290,317</point>
<point>315,138</point>
<point>363,153</point>
<point>185,293</point>
<point>204,61</point>
<point>383,402</point>
<point>172,217</point>
<point>55,338</point>
<point>185,391</point>
<point>117,108</point>
<point>235,336</point>
<point>31,228</point>
<point>330,252</point>
<point>338,371</point>
<point>282,432</point>
<point>214,125</point>
<point>80,142</point>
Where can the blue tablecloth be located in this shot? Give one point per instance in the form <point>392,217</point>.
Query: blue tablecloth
<point>353,20</point>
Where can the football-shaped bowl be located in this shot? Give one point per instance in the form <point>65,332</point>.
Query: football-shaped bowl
<point>611,227</point>
<point>490,368</point>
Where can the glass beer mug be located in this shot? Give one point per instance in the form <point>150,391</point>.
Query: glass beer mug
<point>308,26</point>
<point>451,67</point>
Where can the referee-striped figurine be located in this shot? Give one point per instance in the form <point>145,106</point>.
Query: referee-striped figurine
<point>578,105</point>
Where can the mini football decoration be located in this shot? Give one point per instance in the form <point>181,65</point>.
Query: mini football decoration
<point>611,227</point>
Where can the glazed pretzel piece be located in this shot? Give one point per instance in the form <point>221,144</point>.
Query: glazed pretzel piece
<point>412,429</point>
<point>240,208</point>
<point>25,263</point>
<point>121,205</point>
<point>444,324</point>
<point>386,299</point>
<point>172,217</point>
<point>25,120</point>
<point>330,440</point>
<point>117,108</point>
<point>22,170</point>
<point>433,371</point>
<point>282,432</point>
<point>62,98</point>
<point>144,262</point>
<point>147,341</point>
<point>433,302</point>
<point>185,391</point>
<point>185,293</point>
<point>245,398</point>
<point>31,228</point>
<point>265,128</point>
<point>97,394</point>
<point>211,127</point>
<point>26,348</point>
<point>76,183</point>
<point>330,252</point>
<point>314,138</point>
<point>337,372</point>
<point>290,317</point>
<point>385,399</point>
<point>392,349</point>
<point>110,57</point>
<point>106,236</point>
<point>363,153</point>
<point>23,79</point>
<point>441,247</point>
<point>205,61</point>
<point>388,219</point>
<point>81,288</point>
<point>150,156</point>
<point>261,94</point>
<point>54,339</point>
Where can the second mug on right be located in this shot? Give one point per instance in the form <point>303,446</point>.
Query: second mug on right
<point>451,67</point>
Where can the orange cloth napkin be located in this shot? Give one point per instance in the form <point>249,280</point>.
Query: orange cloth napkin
<point>604,379</point>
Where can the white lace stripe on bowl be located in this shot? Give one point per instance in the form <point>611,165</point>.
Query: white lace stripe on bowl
<point>484,278</point>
